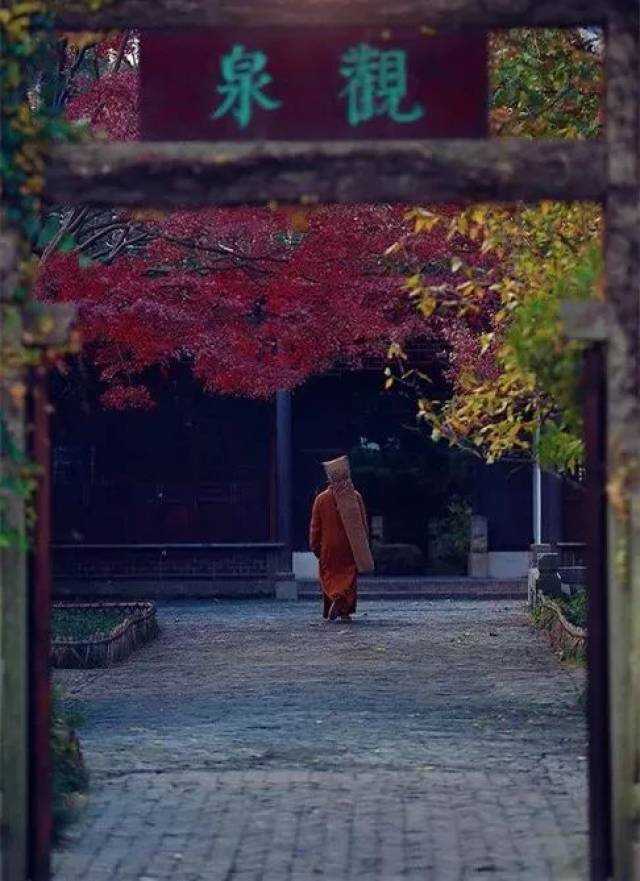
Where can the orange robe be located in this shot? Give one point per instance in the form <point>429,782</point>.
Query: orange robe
<point>328,541</point>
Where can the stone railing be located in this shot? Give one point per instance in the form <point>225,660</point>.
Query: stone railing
<point>166,570</point>
<point>545,587</point>
<point>572,563</point>
<point>556,573</point>
<point>572,553</point>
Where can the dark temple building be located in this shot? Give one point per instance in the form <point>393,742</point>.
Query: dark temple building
<point>207,495</point>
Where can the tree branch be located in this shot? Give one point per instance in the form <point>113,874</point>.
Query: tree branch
<point>121,51</point>
<point>71,222</point>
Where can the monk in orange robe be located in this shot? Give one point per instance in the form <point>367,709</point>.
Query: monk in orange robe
<point>329,542</point>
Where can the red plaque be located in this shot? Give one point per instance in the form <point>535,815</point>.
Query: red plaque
<point>313,84</point>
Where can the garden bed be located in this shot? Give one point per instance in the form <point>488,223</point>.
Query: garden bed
<point>574,608</point>
<point>99,634</point>
<point>567,638</point>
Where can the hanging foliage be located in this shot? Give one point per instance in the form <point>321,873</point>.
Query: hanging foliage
<point>28,124</point>
<point>518,379</point>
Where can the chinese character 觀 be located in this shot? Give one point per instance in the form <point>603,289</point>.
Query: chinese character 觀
<point>376,85</point>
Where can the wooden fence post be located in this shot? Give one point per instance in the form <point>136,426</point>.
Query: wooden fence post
<point>14,723</point>
<point>598,716</point>
<point>622,259</point>
<point>14,731</point>
<point>41,769</point>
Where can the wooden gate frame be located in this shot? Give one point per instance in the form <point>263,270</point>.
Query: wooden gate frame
<point>170,175</point>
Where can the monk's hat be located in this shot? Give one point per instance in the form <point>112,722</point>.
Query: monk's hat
<point>337,470</point>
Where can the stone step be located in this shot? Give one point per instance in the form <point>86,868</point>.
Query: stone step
<point>428,588</point>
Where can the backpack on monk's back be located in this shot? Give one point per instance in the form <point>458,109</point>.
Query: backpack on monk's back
<point>339,475</point>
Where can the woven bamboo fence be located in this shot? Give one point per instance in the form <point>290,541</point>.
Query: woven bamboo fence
<point>564,636</point>
<point>138,626</point>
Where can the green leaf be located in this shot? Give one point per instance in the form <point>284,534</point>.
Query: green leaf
<point>67,244</point>
<point>49,230</point>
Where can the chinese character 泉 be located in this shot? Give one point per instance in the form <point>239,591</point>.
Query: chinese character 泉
<point>244,78</point>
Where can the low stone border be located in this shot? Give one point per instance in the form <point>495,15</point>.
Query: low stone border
<point>139,626</point>
<point>566,638</point>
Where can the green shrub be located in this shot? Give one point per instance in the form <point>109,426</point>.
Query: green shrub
<point>79,624</point>
<point>542,616</point>
<point>450,536</point>
<point>70,777</point>
<point>575,609</point>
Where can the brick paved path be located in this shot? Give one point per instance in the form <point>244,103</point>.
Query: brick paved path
<point>436,741</point>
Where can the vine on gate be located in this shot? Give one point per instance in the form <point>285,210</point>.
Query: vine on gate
<point>28,125</point>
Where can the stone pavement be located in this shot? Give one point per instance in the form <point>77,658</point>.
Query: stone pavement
<point>251,742</point>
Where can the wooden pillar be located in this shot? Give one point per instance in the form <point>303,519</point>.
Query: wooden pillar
<point>13,651</point>
<point>551,508</point>
<point>13,596</point>
<point>598,716</point>
<point>284,476</point>
<point>623,424</point>
<point>536,508</point>
<point>40,817</point>
<point>272,479</point>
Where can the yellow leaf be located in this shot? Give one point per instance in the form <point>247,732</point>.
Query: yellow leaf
<point>297,219</point>
<point>147,214</point>
<point>18,393</point>
<point>83,39</point>
<point>395,351</point>
<point>425,224</point>
<point>427,306</point>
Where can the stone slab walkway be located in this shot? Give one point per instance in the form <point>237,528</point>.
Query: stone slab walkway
<point>429,740</point>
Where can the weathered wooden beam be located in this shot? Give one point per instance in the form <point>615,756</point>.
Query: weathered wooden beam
<point>172,175</point>
<point>441,14</point>
<point>585,320</point>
